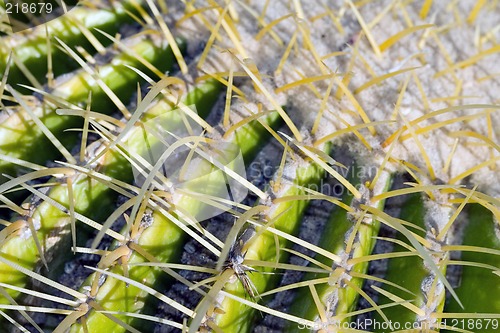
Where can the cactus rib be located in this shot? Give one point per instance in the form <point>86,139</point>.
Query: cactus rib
<point>19,131</point>
<point>75,29</point>
<point>158,241</point>
<point>406,88</point>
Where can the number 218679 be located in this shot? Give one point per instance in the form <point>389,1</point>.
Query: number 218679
<point>28,8</point>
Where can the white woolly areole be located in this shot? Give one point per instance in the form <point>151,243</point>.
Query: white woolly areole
<point>25,232</point>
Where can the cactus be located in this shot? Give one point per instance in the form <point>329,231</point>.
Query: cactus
<point>115,77</point>
<point>34,57</point>
<point>169,180</point>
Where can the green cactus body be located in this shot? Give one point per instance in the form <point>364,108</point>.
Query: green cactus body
<point>333,240</point>
<point>20,138</point>
<point>335,295</point>
<point>115,75</point>
<point>406,272</point>
<point>378,78</point>
<point>479,290</point>
<point>162,239</point>
<point>92,199</point>
<point>32,51</point>
<point>286,216</point>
